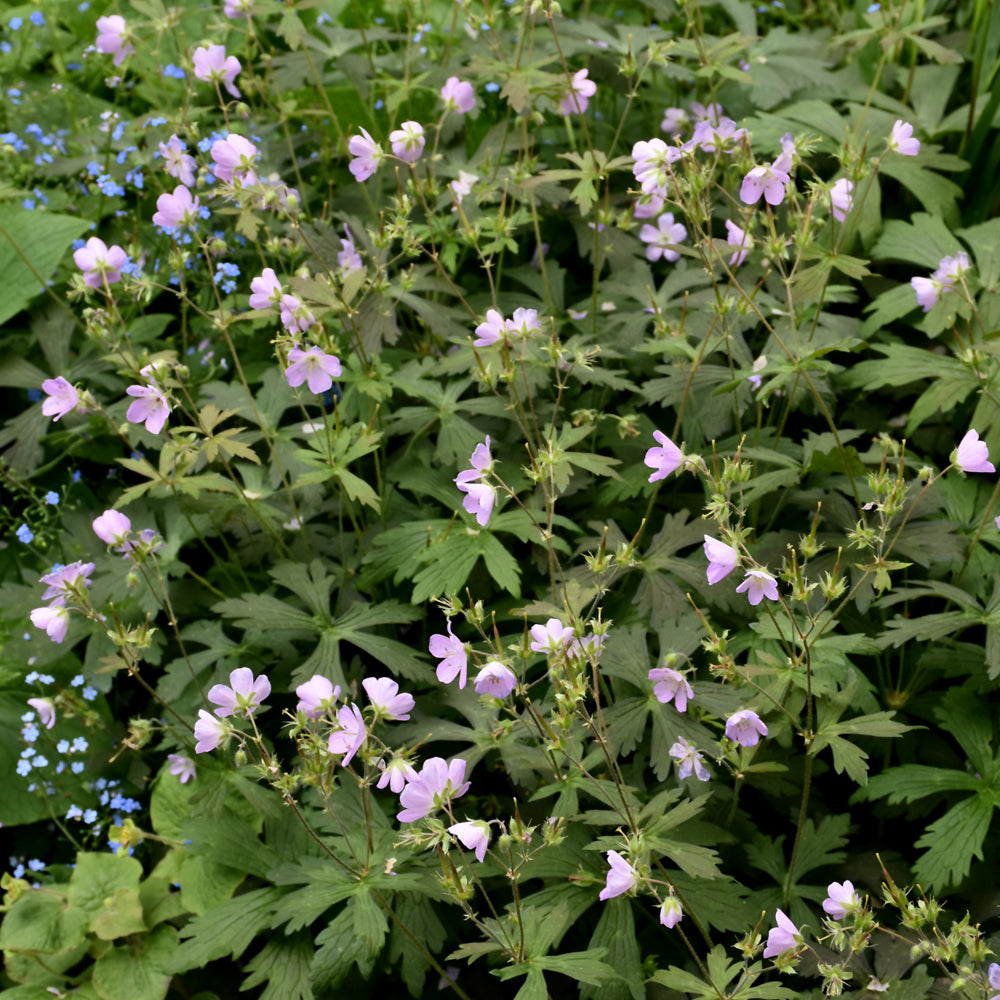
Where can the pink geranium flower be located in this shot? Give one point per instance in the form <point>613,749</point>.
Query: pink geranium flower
<point>383,693</point>
<point>840,899</point>
<point>663,459</point>
<point>266,290</point>
<point>454,658</point>
<point>722,559</point>
<point>739,238</point>
<point>316,696</point>
<point>243,696</point>
<point>295,317</point>
<point>61,397</point>
<point>661,237</point>
<point>495,680</point>
<point>622,877</point>
<point>112,527</point>
<point>579,94</point>
<point>181,766</point>
<point>901,140</point>
<point>313,365</point>
<point>213,65</point>
<point>209,732</point>
<point>436,783</point>
<point>551,638</point>
<point>46,710</point>
<point>149,407</point>
<point>235,157</point>
<point>972,455</point>
<point>67,582</point>
<point>781,938</point>
<point>474,835</point>
<point>670,912</point>
<point>177,163</point>
<point>54,619</point>
<point>367,155</point>
<point>347,740</point>
<point>458,95</point>
<point>841,198</point>
<point>176,209</point>
<point>670,685</point>
<point>758,584</point>
<point>479,495</point>
<point>112,38</point>
<point>100,263</point>
<point>489,332</point>
<point>768,181</point>
<point>408,141</point>
<point>652,165</point>
<point>395,774</point>
<point>689,760</point>
<point>745,727</point>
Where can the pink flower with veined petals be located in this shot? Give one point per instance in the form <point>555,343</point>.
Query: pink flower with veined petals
<point>209,732</point>
<point>452,653</point>
<point>313,365</point>
<point>458,96</point>
<point>67,581</point>
<point>177,163</point>
<point>662,236</point>
<point>972,455</point>
<point>841,198</point>
<point>928,292</point>
<point>61,397</point>
<point>495,680</point>
<point>436,783</point>
<point>551,638</point>
<point>182,767</point>
<point>480,496</point>
<point>150,407</point>
<point>670,685</point>
<point>396,774</point>
<point>100,263</point>
<point>367,155</point>
<point>212,64</point>
<point>622,877</point>
<point>295,317</point>
<point>578,96</point>
<point>663,459</point>
<point>243,696</point>
<point>652,165</point>
<point>745,727</point>
<point>234,156</point>
<point>316,696</point>
<point>176,209</point>
<point>383,693</point>
<point>112,527</point>
<point>840,899</point>
<point>348,739</point>
<point>901,140</point>
<point>492,330</point>
<point>112,37</point>
<point>767,181</point>
<point>781,938</point>
<point>266,290</point>
<point>46,710</point>
<point>408,141</point>
<point>740,238</point>
<point>238,8</point>
<point>758,584</point>
<point>54,619</point>
<point>474,835</point>
<point>722,559</point>
<point>689,761</point>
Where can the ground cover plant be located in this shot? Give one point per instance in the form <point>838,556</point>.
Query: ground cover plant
<point>498,498</point>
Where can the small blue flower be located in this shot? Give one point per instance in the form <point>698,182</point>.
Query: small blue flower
<point>173,71</point>
<point>90,816</point>
<point>492,87</point>
<point>39,761</point>
<point>24,534</point>
<point>6,47</point>
<point>76,478</point>
<point>74,812</point>
<point>37,18</point>
<point>23,767</point>
<point>63,746</point>
<point>77,766</point>
<point>89,693</point>
<point>52,497</point>
<point>15,23</point>
<point>79,744</point>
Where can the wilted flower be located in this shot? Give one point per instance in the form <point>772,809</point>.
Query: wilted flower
<point>901,140</point>
<point>463,186</point>
<point>670,685</point>
<point>663,459</point>
<point>722,559</point>
<point>758,584</point>
<point>781,938</point>
<point>745,727</point>
<point>622,877</point>
<point>972,455</point>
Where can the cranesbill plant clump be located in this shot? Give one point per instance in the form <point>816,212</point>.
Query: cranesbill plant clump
<point>499,499</point>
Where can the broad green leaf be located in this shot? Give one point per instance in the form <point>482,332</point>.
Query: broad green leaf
<point>122,915</point>
<point>97,877</point>
<point>615,937</point>
<point>42,923</point>
<point>916,781</point>
<point>137,970</point>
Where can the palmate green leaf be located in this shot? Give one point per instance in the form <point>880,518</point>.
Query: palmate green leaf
<point>953,841</point>
<point>283,963</point>
<point>451,561</point>
<point>263,613</point>
<point>911,782</point>
<point>615,938</point>
<point>337,950</point>
<point>846,755</point>
<point>923,241</point>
